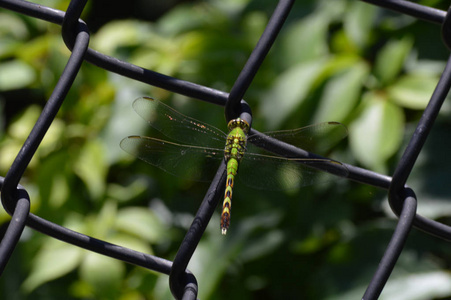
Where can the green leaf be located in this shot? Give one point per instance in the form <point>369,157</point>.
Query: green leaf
<point>103,273</point>
<point>341,94</point>
<point>15,74</point>
<point>335,65</point>
<point>13,30</point>
<point>121,113</point>
<point>54,260</point>
<point>289,91</point>
<point>419,286</point>
<point>54,179</point>
<point>140,222</point>
<point>305,41</point>
<point>124,193</point>
<point>390,60</point>
<point>416,286</point>
<point>413,91</point>
<point>12,25</point>
<point>359,22</point>
<point>21,128</point>
<point>116,34</point>
<point>91,167</point>
<point>104,221</point>
<point>377,133</point>
<point>260,247</point>
<point>183,18</point>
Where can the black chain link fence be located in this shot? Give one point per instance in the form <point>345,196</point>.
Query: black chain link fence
<point>183,283</point>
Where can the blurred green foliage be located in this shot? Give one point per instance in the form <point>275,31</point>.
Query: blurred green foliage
<point>340,60</point>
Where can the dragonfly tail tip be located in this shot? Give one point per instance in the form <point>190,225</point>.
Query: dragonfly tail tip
<point>224,231</point>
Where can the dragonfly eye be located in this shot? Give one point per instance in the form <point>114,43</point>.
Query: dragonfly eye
<point>238,123</point>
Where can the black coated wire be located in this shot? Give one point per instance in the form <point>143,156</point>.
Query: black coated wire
<point>247,74</point>
<point>412,151</point>
<point>45,119</point>
<point>177,279</point>
<point>16,226</point>
<point>446,30</point>
<point>412,9</point>
<point>10,196</point>
<point>183,284</point>
<point>394,247</point>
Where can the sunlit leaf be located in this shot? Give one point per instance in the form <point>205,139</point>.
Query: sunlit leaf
<point>140,222</point>
<point>53,261</point>
<point>91,167</point>
<point>103,273</point>
<point>15,74</point>
<point>181,19</point>
<point>103,224</point>
<point>116,34</point>
<point>413,91</point>
<point>359,22</point>
<point>390,59</point>
<point>12,25</point>
<point>377,133</point>
<point>418,286</point>
<point>305,40</point>
<point>54,180</point>
<point>9,149</point>
<point>21,128</point>
<point>341,94</point>
<point>13,30</point>
<point>126,193</point>
<point>46,53</point>
<point>289,91</point>
<point>415,286</point>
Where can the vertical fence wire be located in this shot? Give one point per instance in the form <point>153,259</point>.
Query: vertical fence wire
<point>183,283</point>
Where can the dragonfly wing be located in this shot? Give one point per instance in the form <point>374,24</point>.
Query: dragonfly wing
<point>196,163</point>
<point>177,126</point>
<point>318,138</point>
<point>279,173</point>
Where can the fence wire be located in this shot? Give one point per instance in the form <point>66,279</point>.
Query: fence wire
<point>183,284</point>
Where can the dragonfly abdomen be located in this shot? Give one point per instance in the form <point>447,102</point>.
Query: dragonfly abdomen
<point>232,169</point>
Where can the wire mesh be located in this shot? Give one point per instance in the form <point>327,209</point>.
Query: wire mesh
<point>183,283</point>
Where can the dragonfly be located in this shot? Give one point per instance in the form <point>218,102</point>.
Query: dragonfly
<point>198,149</point>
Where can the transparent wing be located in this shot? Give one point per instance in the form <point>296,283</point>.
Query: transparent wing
<point>196,163</point>
<point>317,138</point>
<point>177,126</point>
<point>278,173</point>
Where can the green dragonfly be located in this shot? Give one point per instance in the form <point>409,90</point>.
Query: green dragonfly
<point>203,147</point>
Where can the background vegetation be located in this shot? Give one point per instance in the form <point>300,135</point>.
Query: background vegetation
<point>340,60</point>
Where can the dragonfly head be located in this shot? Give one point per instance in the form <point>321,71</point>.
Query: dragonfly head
<point>235,123</point>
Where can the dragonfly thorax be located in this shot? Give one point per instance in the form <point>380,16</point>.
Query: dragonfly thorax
<point>236,139</point>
